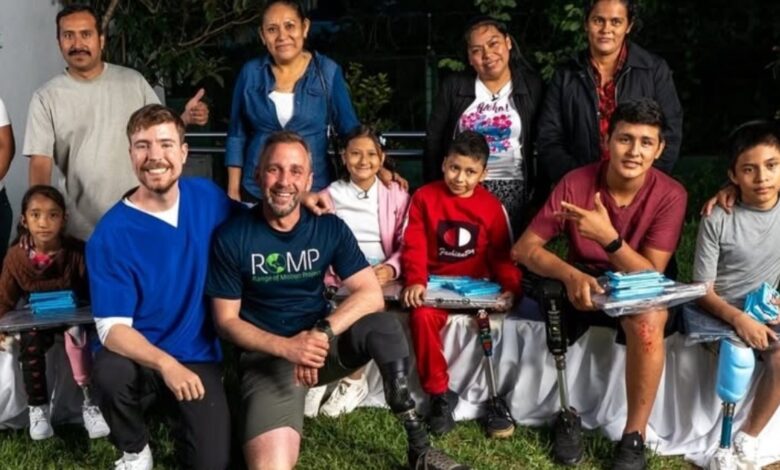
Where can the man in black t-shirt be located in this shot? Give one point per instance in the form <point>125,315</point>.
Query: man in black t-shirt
<point>266,280</point>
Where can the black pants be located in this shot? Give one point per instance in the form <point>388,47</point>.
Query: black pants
<point>201,427</point>
<point>32,356</point>
<point>378,336</point>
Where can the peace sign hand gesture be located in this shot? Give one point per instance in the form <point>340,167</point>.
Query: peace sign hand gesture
<point>592,224</point>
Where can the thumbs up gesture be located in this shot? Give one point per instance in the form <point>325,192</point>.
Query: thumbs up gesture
<point>592,224</point>
<point>196,111</point>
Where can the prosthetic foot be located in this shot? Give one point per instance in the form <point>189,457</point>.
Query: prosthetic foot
<point>399,399</point>
<point>567,429</point>
<point>498,420</point>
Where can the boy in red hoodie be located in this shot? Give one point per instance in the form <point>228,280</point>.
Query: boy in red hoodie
<point>455,227</point>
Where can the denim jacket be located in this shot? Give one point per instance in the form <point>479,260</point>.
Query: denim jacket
<point>253,116</point>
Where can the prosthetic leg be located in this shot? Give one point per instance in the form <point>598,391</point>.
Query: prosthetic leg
<point>500,423</point>
<point>735,368</point>
<point>567,443</point>
<point>399,399</point>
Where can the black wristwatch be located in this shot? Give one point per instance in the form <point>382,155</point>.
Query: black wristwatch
<point>614,245</point>
<point>323,325</point>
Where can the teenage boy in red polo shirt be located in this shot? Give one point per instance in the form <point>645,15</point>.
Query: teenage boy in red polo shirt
<point>621,215</point>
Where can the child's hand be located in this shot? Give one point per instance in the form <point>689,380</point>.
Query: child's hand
<point>387,178</point>
<point>414,295</point>
<point>2,341</point>
<point>384,273</point>
<point>505,301</point>
<point>754,334</point>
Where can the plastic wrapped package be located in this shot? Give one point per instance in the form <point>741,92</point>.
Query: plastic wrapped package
<point>631,294</point>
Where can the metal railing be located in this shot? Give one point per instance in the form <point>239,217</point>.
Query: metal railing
<point>392,136</point>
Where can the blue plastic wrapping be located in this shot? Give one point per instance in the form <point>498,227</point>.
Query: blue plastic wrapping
<point>634,293</point>
<point>759,303</point>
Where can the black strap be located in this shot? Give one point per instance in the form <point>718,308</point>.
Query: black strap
<point>316,59</point>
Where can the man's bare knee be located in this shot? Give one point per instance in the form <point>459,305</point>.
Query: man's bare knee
<point>647,328</point>
<point>276,449</point>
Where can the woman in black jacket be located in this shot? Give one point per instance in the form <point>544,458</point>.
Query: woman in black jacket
<point>584,92</point>
<point>497,98</point>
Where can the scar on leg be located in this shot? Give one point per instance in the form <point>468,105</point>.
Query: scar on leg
<point>646,336</point>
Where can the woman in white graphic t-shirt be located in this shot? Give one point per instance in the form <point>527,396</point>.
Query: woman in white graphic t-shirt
<point>497,98</point>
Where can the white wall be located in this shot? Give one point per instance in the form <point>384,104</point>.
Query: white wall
<point>29,57</point>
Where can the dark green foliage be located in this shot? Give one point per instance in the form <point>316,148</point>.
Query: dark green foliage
<point>370,94</point>
<point>174,42</point>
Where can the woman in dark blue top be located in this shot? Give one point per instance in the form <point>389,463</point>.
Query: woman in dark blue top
<point>289,88</point>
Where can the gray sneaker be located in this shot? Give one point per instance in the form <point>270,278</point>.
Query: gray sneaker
<point>434,459</point>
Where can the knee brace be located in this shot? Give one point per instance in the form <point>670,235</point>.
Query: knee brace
<point>735,368</point>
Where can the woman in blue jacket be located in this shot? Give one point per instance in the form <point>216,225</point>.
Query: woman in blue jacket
<point>289,88</point>
<point>584,92</point>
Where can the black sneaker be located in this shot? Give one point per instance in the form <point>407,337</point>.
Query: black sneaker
<point>440,418</point>
<point>433,459</point>
<point>498,421</point>
<point>567,437</point>
<point>630,453</point>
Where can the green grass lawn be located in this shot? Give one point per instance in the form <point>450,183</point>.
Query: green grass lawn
<point>366,439</point>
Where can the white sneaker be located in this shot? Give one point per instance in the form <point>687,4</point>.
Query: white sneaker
<point>347,396</point>
<point>140,461</point>
<point>94,423</point>
<point>724,459</point>
<point>313,399</point>
<point>746,451</point>
<point>40,427</point>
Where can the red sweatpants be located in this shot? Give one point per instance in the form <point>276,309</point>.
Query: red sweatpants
<point>426,324</point>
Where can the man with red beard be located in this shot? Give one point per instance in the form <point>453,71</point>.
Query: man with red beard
<point>147,266</point>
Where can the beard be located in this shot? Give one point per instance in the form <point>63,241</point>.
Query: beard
<point>162,188</point>
<point>281,210</point>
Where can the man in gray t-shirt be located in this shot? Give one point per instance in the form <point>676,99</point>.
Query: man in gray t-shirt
<point>77,121</point>
<point>739,251</point>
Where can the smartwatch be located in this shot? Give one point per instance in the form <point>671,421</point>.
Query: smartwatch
<point>323,325</point>
<point>614,245</point>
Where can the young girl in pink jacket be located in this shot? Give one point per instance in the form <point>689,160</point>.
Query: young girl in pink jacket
<point>375,213</point>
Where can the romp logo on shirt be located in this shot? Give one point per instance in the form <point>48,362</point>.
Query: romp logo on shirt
<point>456,240</point>
<point>273,267</point>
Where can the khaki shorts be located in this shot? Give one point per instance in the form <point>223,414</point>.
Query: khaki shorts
<point>270,397</point>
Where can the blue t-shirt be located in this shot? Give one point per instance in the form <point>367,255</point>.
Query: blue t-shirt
<point>146,269</point>
<point>279,275</point>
